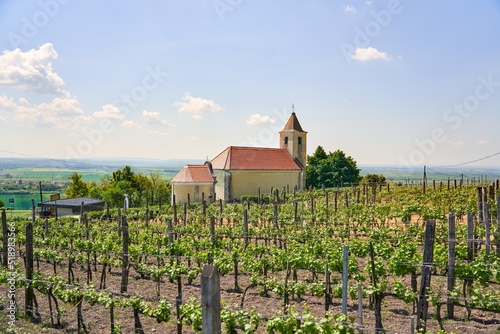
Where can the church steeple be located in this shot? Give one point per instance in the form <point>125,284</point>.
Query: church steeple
<point>294,139</point>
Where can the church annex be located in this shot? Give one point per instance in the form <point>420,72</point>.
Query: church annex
<point>239,170</point>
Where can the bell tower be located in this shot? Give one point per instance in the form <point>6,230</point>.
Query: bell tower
<point>294,139</point>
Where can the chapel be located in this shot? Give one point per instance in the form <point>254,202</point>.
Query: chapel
<point>239,170</point>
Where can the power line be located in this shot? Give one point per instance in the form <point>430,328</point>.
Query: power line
<point>471,161</point>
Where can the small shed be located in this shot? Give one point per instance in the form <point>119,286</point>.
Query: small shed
<point>193,181</point>
<point>71,206</point>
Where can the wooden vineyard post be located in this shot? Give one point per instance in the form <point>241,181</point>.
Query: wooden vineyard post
<point>497,237</point>
<point>178,302</point>
<point>360,308</point>
<point>487,226</point>
<point>210,300</point>
<point>125,260</point>
<point>184,220</point>
<point>5,234</point>
<point>295,207</point>
<point>335,200</point>
<point>470,237</point>
<point>175,212</point>
<point>87,237</point>
<point>212,231</point>
<point>146,214</point>
<point>29,293</point>
<point>119,222</point>
<point>275,216</point>
<point>245,227</point>
<point>480,211</point>
<point>170,232</point>
<point>424,180</point>
<point>451,263</point>
<point>423,303</point>
<point>46,227</point>
<point>378,296</point>
<point>344,279</point>
<point>328,295</point>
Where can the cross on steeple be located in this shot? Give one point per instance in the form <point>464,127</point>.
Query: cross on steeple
<point>293,108</point>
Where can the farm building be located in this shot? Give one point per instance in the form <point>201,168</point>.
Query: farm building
<point>239,171</point>
<point>71,206</point>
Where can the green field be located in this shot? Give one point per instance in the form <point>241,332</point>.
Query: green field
<point>61,174</point>
<point>50,174</point>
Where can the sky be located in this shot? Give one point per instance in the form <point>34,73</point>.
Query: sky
<point>396,82</point>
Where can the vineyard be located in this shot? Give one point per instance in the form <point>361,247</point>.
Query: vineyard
<point>361,259</point>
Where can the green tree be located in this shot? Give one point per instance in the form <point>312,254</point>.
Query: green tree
<point>1,204</point>
<point>330,169</point>
<point>125,174</point>
<point>373,178</point>
<point>77,187</point>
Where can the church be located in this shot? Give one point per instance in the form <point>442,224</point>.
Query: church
<point>240,170</point>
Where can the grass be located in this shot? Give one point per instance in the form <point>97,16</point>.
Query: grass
<point>18,214</point>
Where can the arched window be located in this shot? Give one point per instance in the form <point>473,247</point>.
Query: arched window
<point>286,140</point>
<point>300,140</point>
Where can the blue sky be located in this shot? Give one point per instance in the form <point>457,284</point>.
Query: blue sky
<point>388,82</point>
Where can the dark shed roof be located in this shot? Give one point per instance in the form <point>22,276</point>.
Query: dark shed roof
<point>73,203</point>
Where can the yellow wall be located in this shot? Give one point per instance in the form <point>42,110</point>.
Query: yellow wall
<point>248,182</point>
<point>181,191</point>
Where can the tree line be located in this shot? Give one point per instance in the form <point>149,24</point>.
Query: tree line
<point>323,169</point>
<point>112,188</point>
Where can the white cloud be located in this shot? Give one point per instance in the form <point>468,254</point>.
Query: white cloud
<point>154,117</point>
<point>455,143</point>
<point>258,119</point>
<point>158,133</point>
<point>194,138</point>
<point>197,105</point>
<point>369,3</point>
<point>31,70</point>
<point>109,111</point>
<point>349,9</point>
<point>482,141</point>
<point>368,54</point>
<point>131,124</point>
<point>64,113</point>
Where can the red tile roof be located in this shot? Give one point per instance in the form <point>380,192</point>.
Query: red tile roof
<point>194,174</point>
<point>254,158</point>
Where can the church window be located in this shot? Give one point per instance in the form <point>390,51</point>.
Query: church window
<point>300,140</point>
<point>286,140</point>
